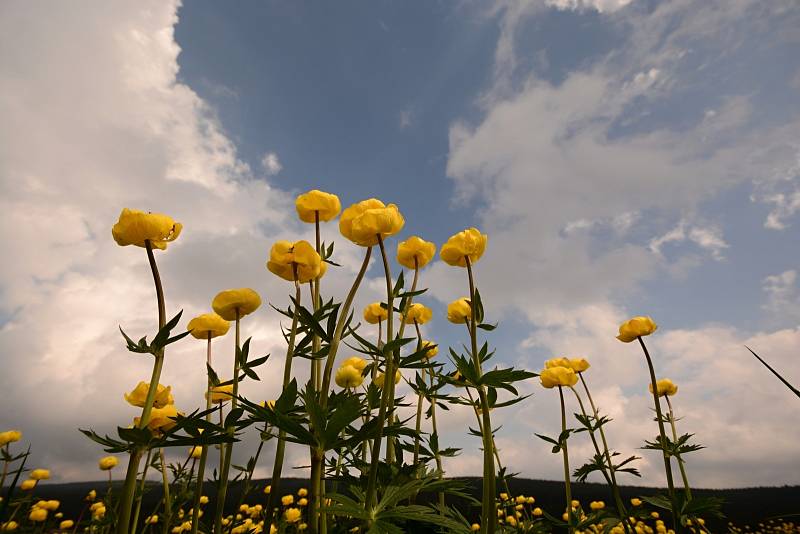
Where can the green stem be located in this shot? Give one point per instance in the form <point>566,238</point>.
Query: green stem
<point>167,500</point>
<point>226,464</point>
<point>659,417</point>
<point>201,470</point>
<point>287,376</point>
<point>140,493</point>
<point>623,513</point>
<point>129,487</point>
<point>435,432</point>
<point>420,400</point>
<point>489,509</point>
<point>566,461</point>
<point>680,460</point>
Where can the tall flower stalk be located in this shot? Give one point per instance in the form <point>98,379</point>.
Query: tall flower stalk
<point>681,465</point>
<point>565,453</point>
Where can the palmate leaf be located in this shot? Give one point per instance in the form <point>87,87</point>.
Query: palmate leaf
<point>703,506</point>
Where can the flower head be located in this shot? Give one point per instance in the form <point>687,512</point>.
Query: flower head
<point>134,227</point>
<point>315,202</point>
<point>375,313</point>
<point>37,514</point>
<point>459,311</point>
<point>161,419</point>
<point>469,243</point>
<point>196,452</point>
<point>665,387</point>
<point>221,393</point>
<point>379,378</point>
<point>9,436</point>
<point>634,328</point>
<point>576,364</point>
<point>208,325</point>
<point>292,515</point>
<point>357,362</point>
<point>9,526</point>
<point>363,222</point>
<point>597,505</point>
<point>66,524</point>
<point>431,349</point>
<point>348,376</point>
<point>417,313</point>
<point>243,300</point>
<point>294,261</point>
<point>40,474</point>
<point>415,252</point>
<point>107,463</point>
<point>286,500</point>
<point>138,396</point>
<point>558,376</point>
<point>28,484</point>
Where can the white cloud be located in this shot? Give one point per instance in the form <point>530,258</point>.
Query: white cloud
<point>783,296</point>
<point>708,238</point>
<point>271,164</point>
<point>406,118</point>
<point>600,5</point>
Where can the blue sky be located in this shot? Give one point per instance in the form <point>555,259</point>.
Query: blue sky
<point>624,156</point>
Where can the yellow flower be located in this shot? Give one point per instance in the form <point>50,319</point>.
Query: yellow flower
<point>530,500</point>
<point>511,521</point>
<point>40,474</point>
<point>475,527</point>
<point>302,501</point>
<point>37,514</point>
<point>161,418</point>
<point>576,364</point>
<point>415,248</point>
<point>636,327</point>
<point>27,485</point>
<point>665,387</point>
<point>313,202</point>
<point>537,511</point>
<point>459,311</point>
<point>135,227</point>
<point>286,500</point>
<point>364,221</point>
<point>221,393</point>
<point>597,505</point>
<point>468,243</point>
<point>273,529</point>
<point>227,302</point>
<point>152,519</point>
<point>292,515</point>
<point>418,313</point>
<point>50,506</point>
<point>268,404</point>
<point>556,362</point>
<point>431,349</point>
<point>348,376</point>
<point>285,258</point>
<point>195,452</point>
<point>379,378</point>
<point>268,489</point>
<point>636,502</point>
<point>375,313</point>
<point>204,499</point>
<point>8,527</point>
<point>358,363</point>
<point>558,376</point>
<point>138,396</point>
<point>92,495</point>
<point>208,325</point>
<point>9,436</point>
<point>303,492</point>
<point>108,463</point>
<point>66,524</point>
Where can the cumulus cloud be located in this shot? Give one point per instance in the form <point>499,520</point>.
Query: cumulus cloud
<point>783,296</point>
<point>708,238</point>
<point>271,164</point>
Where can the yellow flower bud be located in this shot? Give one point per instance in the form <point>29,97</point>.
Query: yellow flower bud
<point>417,313</point>
<point>665,387</point>
<point>40,474</point>
<point>9,526</point>
<point>363,222</point>
<point>558,376</point>
<point>375,313</point>
<point>326,205</point>
<point>107,463</point>
<point>138,396</point>
<point>203,499</point>
<point>37,514</point>
<point>634,328</point>
<point>379,378</point>
<point>294,261</point>
<point>196,452</point>
<point>66,524</point>
<point>286,500</point>
<point>134,227</point>
<point>221,394</point>
<point>636,502</point>
<point>475,527</point>
<point>208,325</point>
<point>303,492</point>
<point>9,436</point>
<point>459,311</point>
<point>469,243</point>
<point>243,301</point>
<point>537,512</point>
<point>27,485</point>
<point>302,501</point>
<point>92,495</point>
<point>597,505</point>
<point>415,253</point>
<point>431,349</point>
<point>348,376</point>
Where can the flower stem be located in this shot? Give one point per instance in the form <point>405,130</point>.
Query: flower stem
<point>420,401</point>
<point>129,487</point>
<point>564,451</point>
<point>435,432</point>
<point>489,513</point>
<point>167,500</point>
<point>201,470</point>
<point>680,460</point>
<point>140,494</point>
<point>663,438</point>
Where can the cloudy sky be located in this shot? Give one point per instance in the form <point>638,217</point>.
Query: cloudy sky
<point>625,157</point>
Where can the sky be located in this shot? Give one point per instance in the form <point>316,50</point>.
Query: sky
<point>625,157</point>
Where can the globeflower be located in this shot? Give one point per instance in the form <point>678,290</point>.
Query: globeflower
<point>375,313</point>
<point>208,325</point>
<point>364,222</point>
<point>348,377</point>
<point>355,361</point>
<point>66,524</point>
<point>221,394</point>
<point>317,205</point>
<point>37,514</point>
<point>134,227</point>
<point>379,378</point>
<point>637,327</point>
<point>294,261</point>
<point>138,396</point>
<point>415,252</point>
<point>417,313</point>
<point>242,301</point>
<point>665,387</point>
<point>292,515</point>
<point>558,376</point>
<point>195,453</point>
<point>431,349</point>
<point>8,527</point>
<point>576,364</point>
<point>28,484</point>
<point>40,474</point>
<point>107,463</point>
<point>469,243</point>
<point>161,419</point>
<point>9,436</point>
<point>459,311</point>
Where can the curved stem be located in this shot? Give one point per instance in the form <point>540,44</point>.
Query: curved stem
<point>201,470</point>
<point>566,461</point>
<point>680,460</point>
<point>663,438</point>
